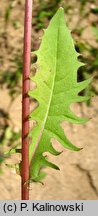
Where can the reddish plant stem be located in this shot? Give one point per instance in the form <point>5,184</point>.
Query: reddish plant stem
<point>26,101</point>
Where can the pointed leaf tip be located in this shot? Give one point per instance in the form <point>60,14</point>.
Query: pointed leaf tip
<point>57,89</point>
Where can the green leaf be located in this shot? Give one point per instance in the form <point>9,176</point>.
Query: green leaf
<point>57,88</point>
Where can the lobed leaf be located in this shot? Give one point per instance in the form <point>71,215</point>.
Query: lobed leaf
<point>56,89</point>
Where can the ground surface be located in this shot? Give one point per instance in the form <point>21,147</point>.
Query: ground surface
<point>78,175</point>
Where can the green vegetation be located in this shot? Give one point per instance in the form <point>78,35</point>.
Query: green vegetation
<point>57,88</point>
<point>43,11</point>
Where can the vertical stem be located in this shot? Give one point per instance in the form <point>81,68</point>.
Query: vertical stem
<point>26,101</point>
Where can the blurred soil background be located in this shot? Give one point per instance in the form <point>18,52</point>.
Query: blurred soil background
<point>78,175</point>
